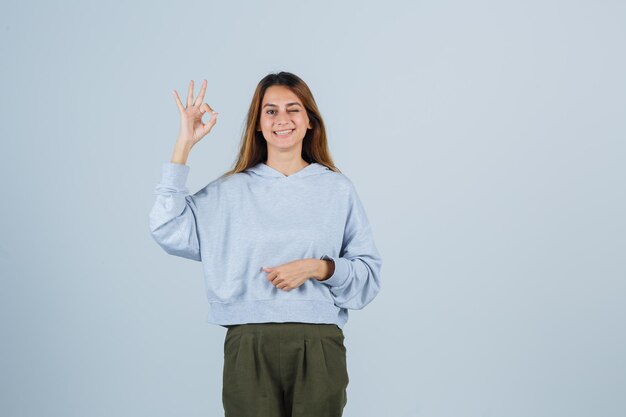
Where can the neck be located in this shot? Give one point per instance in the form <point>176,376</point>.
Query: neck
<point>287,167</point>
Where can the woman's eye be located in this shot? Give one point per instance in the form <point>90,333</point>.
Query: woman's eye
<point>268,112</point>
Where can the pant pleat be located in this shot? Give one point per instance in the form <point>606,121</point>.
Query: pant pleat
<point>284,370</point>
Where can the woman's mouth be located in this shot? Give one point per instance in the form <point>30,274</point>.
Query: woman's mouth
<point>283,133</point>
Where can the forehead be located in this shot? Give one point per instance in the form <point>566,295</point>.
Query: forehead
<point>279,93</point>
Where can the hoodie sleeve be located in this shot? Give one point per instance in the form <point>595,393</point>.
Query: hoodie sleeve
<point>173,216</point>
<point>356,279</point>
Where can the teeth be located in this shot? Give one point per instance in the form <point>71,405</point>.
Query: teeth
<point>282,132</point>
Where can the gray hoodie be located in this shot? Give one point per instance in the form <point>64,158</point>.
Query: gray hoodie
<point>261,218</point>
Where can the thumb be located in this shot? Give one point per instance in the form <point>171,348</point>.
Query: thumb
<point>209,124</point>
<point>266,268</point>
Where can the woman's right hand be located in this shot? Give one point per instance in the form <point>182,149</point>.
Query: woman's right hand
<point>192,129</point>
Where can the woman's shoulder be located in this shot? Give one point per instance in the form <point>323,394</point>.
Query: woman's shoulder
<point>217,186</point>
<point>339,178</point>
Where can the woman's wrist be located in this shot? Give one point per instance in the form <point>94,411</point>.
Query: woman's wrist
<point>325,269</point>
<point>181,152</point>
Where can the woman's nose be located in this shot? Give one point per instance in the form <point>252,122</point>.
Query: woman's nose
<point>282,117</point>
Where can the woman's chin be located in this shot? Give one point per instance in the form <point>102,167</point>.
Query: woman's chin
<point>284,144</point>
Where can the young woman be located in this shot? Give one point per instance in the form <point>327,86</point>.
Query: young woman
<point>286,249</point>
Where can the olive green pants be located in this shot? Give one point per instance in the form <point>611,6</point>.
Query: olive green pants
<point>284,370</point>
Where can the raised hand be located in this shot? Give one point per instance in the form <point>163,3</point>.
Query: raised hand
<point>192,129</point>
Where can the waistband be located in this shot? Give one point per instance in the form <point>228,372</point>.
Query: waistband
<point>287,328</point>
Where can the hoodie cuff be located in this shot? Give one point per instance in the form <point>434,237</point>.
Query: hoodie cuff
<point>174,175</point>
<point>341,273</point>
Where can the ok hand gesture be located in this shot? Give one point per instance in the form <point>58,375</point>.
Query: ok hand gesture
<point>192,129</point>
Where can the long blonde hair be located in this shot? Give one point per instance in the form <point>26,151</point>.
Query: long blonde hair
<point>253,148</point>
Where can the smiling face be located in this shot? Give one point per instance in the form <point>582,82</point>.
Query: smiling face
<point>283,120</point>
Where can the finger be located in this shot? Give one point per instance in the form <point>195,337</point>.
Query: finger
<point>205,108</point>
<point>208,125</point>
<point>201,95</point>
<point>178,103</point>
<point>190,94</point>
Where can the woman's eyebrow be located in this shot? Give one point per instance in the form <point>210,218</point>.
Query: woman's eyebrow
<point>288,104</point>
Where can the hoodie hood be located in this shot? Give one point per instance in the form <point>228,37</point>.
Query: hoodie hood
<point>263,170</point>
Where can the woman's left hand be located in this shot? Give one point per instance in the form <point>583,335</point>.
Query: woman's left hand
<point>293,274</point>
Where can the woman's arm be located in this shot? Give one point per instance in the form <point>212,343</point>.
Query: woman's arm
<point>354,278</point>
<point>173,216</point>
